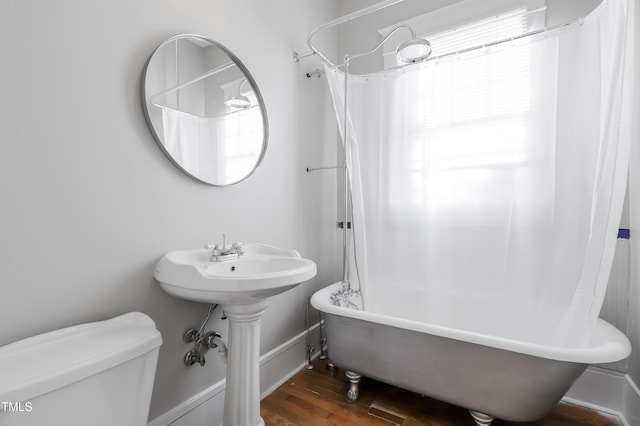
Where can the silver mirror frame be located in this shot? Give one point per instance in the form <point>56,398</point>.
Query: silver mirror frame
<point>252,83</point>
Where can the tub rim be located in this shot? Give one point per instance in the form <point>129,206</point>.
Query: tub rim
<point>615,347</point>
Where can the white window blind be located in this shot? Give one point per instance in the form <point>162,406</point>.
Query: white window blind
<point>480,32</point>
<point>481,86</point>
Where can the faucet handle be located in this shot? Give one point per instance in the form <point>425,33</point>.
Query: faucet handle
<point>239,247</point>
<point>212,246</point>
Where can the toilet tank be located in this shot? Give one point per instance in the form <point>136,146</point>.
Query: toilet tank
<point>97,374</point>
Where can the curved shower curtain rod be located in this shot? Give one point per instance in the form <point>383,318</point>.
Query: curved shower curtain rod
<point>341,20</point>
<point>379,6</point>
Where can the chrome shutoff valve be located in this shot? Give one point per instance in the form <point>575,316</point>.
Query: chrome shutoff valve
<point>191,335</point>
<point>209,339</point>
<point>194,356</point>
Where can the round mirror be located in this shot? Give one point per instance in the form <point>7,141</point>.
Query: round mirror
<point>205,110</point>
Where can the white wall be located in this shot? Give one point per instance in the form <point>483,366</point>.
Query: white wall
<point>89,202</point>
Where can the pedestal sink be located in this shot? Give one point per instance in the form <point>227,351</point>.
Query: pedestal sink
<point>241,285</point>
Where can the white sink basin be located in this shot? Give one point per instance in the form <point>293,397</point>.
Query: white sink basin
<point>262,271</point>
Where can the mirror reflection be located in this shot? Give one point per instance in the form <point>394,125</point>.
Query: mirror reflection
<point>205,110</point>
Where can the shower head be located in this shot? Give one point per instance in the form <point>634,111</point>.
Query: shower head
<point>412,51</point>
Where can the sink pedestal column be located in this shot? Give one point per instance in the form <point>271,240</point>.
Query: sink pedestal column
<point>242,393</point>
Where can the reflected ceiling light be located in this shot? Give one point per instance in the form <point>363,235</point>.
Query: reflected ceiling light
<point>239,101</point>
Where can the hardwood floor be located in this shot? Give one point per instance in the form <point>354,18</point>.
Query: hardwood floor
<point>318,397</point>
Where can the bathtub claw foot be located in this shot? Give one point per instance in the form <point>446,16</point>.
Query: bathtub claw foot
<point>480,418</point>
<point>354,390</point>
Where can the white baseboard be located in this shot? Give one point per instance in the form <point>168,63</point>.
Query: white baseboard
<point>283,362</point>
<point>631,402</point>
<point>203,409</point>
<point>276,367</point>
<point>608,392</point>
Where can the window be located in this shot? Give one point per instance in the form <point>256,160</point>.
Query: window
<point>240,136</point>
<point>473,128</point>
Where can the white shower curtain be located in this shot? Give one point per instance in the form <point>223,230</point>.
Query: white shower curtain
<point>487,187</point>
<point>183,133</point>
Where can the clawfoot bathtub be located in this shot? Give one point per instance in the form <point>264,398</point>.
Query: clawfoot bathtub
<point>492,377</point>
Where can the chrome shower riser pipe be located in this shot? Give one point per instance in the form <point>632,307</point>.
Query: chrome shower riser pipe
<point>342,20</point>
<point>379,45</point>
<point>346,285</point>
<point>310,348</point>
<point>323,340</point>
<point>345,230</point>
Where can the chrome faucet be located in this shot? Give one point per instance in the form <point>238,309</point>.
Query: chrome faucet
<point>220,253</point>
